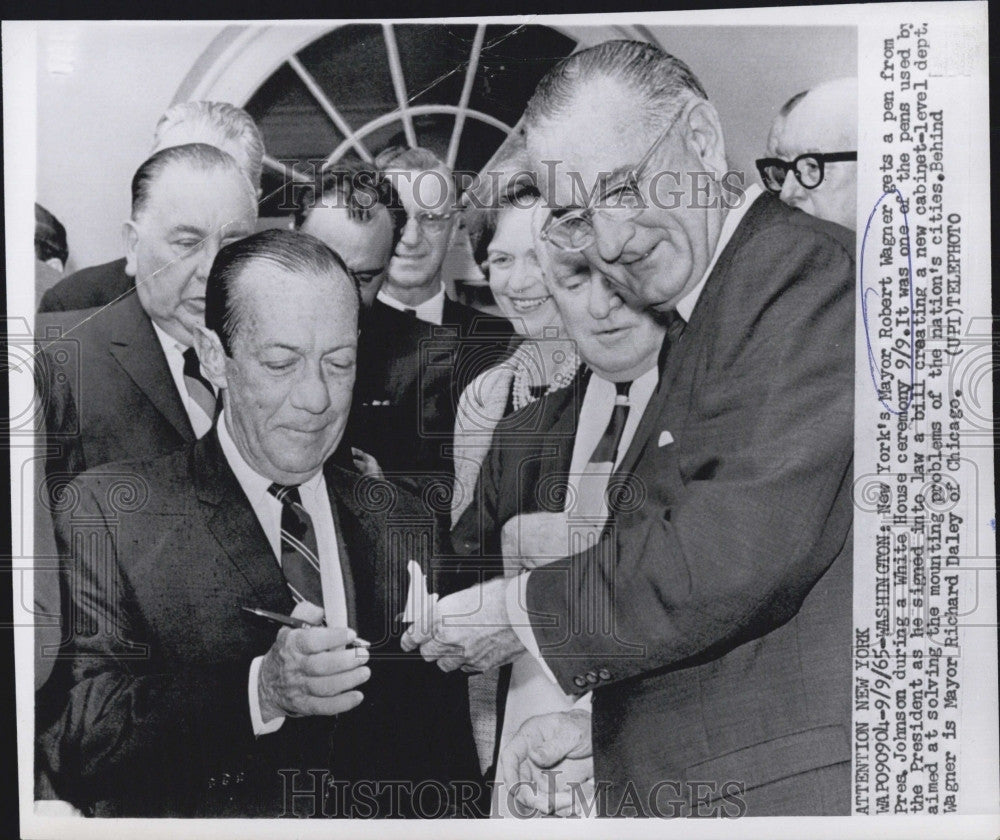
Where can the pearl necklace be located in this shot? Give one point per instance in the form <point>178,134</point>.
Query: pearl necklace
<point>564,374</point>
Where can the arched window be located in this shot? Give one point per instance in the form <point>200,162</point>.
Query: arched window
<point>457,89</point>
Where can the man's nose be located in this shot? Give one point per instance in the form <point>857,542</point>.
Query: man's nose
<point>311,392</point>
<point>603,299</point>
<point>610,237</point>
<point>791,189</point>
<point>411,232</point>
<point>206,256</point>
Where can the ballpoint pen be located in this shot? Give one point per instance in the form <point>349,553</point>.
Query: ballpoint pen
<point>292,621</point>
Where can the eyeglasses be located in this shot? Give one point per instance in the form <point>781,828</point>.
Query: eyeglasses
<point>573,230</point>
<point>809,169</point>
<point>363,277</point>
<point>431,222</point>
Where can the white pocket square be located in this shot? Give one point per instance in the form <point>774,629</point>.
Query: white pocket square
<point>665,438</point>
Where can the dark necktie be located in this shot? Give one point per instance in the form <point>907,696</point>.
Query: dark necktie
<point>675,325</point>
<point>594,481</point>
<point>299,554</point>
<point>198,388</point>
<point>410,312</point>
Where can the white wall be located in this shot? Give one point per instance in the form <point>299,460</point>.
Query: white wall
<point>101,88</point>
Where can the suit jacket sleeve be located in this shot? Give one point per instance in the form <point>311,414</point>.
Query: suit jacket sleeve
<point>124,721</point>
<point>724,552</point>
<point>50,301</point>
<point>476,534</point>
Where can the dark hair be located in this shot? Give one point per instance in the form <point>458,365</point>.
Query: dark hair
<point>519,194</point>
<point>663,80</point>
<point>290,250</point>
<point>786,109</point>
<point>198,155</point>
<point>50,237</point>
<point>356,186</point>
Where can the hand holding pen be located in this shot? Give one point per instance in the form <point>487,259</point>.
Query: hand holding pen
<point>311,669</point>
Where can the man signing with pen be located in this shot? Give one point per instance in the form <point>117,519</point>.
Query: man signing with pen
<point>183,703</point>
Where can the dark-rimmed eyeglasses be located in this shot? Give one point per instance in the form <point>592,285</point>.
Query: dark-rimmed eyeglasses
<point>573,230</point>
<point>362,278</point>
<point>809,168</point>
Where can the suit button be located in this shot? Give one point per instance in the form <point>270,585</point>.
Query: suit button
<point>604,674</point>
<point>580,682</point>
<point>591,677</point>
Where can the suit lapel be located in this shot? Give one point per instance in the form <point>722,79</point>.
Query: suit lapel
<point>549,453</point>
<point>702,319</point>
<point>234,524</point>
<point>360,544</point>
<point>135,347</point>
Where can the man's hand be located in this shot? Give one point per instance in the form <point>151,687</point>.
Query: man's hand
<point>366,464</point>
<point>310,671</point>
<point>549,754</point>
<point>470,631</point>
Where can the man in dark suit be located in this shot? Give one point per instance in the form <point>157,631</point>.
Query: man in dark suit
<point>135,391</point>
<point>418,348</point>
<point>185,704</point>
<point>218,124</point>
<point>727,588</point>
<point>545,479</point>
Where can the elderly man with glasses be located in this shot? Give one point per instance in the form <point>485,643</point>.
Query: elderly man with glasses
<point>813,152</point>
<point>712,617</point>
<point>419,349</point>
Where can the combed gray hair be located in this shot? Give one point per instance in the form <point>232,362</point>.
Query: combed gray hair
<point>221,121</point>
<point>663,80</point>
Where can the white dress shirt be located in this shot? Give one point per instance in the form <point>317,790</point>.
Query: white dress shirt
<point>174,351</point>
<point>517,613</point>
<point>267,508</point>
<point>431,310</point>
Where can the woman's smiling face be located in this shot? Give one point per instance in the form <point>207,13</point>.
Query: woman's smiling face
<point>515,274</point>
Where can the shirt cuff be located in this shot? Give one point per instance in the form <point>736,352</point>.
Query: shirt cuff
<point>520,622</point>
<point>259,727</point>
<point>585,702</point>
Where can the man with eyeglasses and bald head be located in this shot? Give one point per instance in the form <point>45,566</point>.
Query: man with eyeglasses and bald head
<point>813,152</point>
<point>712,618</point>
<point>418,348</point>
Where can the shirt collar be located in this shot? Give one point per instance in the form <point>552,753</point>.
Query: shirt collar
<point>431,310</point>
<point>642,383</point>
<point>169,344</point>
<point>253,483</point>
<point>685,306</point>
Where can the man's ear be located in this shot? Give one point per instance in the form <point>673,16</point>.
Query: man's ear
<point>705,136</point>
<point>130,242</point>
<point>211,355</point>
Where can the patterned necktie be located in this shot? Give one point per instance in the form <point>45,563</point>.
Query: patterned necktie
<point>593,485</point>
<point>299,554</point>
<point>198,388</point>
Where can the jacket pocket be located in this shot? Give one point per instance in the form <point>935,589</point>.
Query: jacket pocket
<point>776,759</point>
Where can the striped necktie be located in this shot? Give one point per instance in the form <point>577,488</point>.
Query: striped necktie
<point>299,554</point>
<point>198,388</point>
<point>593,485</point>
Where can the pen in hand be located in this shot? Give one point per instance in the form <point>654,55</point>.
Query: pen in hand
<point>296,623</point>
